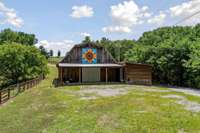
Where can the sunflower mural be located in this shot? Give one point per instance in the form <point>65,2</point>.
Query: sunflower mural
<point>89,56</point>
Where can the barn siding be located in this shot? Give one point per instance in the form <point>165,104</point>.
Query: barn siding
<point>138,74</point>
<point>75,54</point>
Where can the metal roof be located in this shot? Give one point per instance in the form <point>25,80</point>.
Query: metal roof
<point>88,65</point>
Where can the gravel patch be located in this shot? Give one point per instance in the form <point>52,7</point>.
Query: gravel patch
<point>189,91</point>
<point>106,87</point>
<point>151,89</point>
<point>104,92</point>
<point>188,105</point>
<point>94,91</point>
<point>173,96</point>
<point>155,90</point>
<point>141,112</point>
<point>88,98</point>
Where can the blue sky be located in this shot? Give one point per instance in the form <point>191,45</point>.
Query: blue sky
<point>54,23</point>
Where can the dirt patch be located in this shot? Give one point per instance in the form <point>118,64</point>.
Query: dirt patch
<point>107,120</point>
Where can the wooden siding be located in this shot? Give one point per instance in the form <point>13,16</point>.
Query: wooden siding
<point>138,74</point>
<point>75,55</point>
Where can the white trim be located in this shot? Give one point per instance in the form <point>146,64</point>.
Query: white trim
<point>88,65</point>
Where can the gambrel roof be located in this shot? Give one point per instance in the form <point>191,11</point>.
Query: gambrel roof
<point>74,56</point>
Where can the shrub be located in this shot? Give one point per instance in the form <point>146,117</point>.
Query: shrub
<point>19,63</point>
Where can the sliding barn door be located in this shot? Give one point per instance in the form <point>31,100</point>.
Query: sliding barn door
<point>90,74</point>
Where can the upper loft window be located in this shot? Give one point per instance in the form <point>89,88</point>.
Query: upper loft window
<point>89,55</point>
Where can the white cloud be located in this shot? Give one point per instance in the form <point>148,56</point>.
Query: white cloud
<point>186,9</point>
<point>82,11</point>
<point>158,19</point>
<point>126,15</point>
<point>63,46</point>
<point>10,16</point>
<point>179,12</point>
<point>119,29</point>
<point>85,34</point>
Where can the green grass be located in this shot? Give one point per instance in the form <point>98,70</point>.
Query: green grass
<point>54,60</point>
<point>55,110</point>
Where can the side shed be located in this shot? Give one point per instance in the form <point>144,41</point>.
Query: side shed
<point>138,73</point>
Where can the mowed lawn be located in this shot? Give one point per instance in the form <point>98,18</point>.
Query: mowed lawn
<point>100,109</point>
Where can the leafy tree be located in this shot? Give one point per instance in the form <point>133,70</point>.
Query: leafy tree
<point>51,52</point>
<point>87,40</point>
<point>20,63</point>
<point>117,48</point>
<point>59,53</point>
<point>8,35</point>
<point>44,51</point>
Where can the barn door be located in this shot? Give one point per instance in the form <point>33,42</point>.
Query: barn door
<point>91,74</point>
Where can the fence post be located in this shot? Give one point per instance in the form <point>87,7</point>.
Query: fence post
<point>8,93</point>
<point>18,88</point>
<point>0,97</point>
<point>28,85</point>
<point>24,87</point>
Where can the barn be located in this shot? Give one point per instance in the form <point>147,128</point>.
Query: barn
<point>91,63</point>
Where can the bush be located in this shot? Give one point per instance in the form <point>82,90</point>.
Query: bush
<point>20,63</point>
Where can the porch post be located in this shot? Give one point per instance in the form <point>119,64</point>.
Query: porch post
<point>106,74</point>
<point>61,75</point>
<point>80,71</point>
<point>121,75</point>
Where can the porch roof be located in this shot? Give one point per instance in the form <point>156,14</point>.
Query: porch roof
<point>88,65</point>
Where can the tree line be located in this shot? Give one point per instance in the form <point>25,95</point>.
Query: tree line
<point>174,53</point>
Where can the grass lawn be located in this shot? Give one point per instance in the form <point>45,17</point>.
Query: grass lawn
<point>54,60</point>
<point>77,109</point>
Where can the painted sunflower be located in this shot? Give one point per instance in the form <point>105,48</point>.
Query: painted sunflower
<point>89,55</point>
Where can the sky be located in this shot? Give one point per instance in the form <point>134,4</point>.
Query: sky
<point>59,24</point>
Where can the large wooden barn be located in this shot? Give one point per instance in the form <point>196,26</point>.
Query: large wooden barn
<point>90,63</point>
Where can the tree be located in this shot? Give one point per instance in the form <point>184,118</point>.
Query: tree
<point>20,63</point>
<point>117,48</point>
<point>8,35</point>
<point>59,53</point>
<point>87,40</point>
<point>44,51</point>
<point>51,52</point>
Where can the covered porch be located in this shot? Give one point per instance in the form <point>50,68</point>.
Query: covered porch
<point>90,73</point>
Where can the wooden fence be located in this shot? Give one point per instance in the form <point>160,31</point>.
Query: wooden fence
<point>14,90</point>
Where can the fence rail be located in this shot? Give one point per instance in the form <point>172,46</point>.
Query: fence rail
<point>14,90</point>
